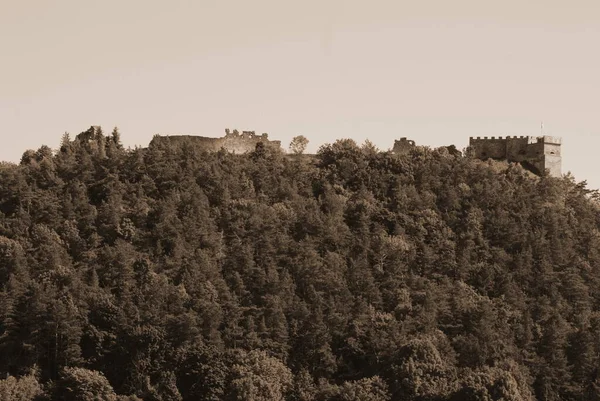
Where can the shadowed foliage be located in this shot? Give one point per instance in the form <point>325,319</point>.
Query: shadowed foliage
<point>172,273</point>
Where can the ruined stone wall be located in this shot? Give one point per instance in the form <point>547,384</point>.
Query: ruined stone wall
<point>403,146</point>
<point>210,144</point>
<point>233,142</point>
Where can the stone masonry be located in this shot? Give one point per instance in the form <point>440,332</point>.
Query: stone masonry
<point>233,141</point>
<point>538,154</point>
<point>403,146</point>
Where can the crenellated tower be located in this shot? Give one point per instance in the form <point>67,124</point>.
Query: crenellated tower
<point>536,153</point>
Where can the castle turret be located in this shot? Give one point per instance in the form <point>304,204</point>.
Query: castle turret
<point>535,153</point>
<point>551,155</point>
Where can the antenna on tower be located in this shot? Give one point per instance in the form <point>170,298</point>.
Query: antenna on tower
<point>542,128</point>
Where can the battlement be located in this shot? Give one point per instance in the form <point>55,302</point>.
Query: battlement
<point>550,139</point>
<point>493,137</point>
<point>536,153</point>
<point>233,141</point>
<point>531,139</point>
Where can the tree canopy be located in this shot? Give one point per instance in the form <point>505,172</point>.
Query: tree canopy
<point>172,273</point>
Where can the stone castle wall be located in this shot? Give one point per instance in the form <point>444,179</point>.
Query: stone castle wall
<point>536,153</point>
<point>233,141</point>
<point>403,146</point>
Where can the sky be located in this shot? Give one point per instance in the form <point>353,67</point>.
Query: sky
<point>435,71</point>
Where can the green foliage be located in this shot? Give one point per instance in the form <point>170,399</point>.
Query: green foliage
<point>171,273</point>
<point>25,388</point>
<point>298,144</point>
<point>371,389</point>
<point>255,376</point>
<point>79,384</point>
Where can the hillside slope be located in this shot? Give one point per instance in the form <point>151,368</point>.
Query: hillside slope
<point>169,273</point>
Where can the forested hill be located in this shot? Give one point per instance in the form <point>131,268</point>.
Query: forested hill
<point>169,273</point>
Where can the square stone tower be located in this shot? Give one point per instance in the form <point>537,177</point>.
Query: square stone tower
<point>552,159</point>
<point>535,153</point>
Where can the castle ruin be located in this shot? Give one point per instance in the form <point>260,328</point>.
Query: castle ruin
<point>233,141</point>
<point>537,154</point>
<point>403,146</point>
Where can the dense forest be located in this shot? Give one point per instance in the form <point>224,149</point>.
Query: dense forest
<point>171,273</point>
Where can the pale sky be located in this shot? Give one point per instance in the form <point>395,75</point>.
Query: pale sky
<point>436,71</point>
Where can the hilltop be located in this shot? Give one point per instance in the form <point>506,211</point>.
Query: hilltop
<point>173,273</point>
